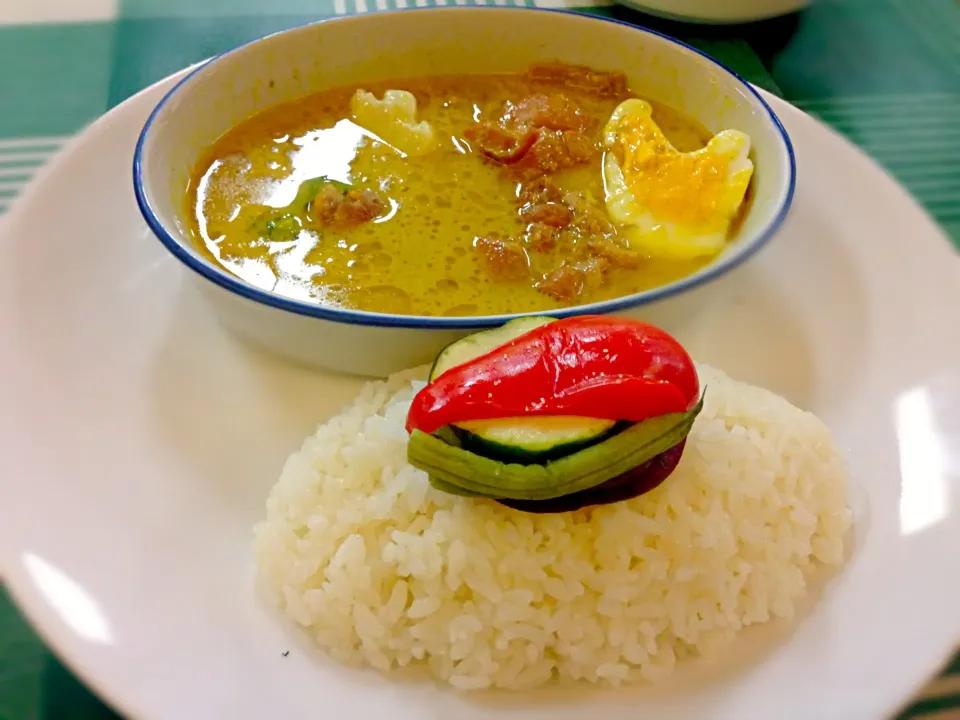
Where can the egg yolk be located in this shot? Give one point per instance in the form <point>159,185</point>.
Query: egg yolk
<point>682,188</point>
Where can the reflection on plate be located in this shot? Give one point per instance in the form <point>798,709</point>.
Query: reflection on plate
<point>131,486</point>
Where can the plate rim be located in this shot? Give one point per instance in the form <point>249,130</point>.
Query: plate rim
<point>643,7</point>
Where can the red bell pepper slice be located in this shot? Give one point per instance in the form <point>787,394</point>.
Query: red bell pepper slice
<point>589,366</point>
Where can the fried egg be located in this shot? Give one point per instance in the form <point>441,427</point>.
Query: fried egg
<point>669,204</point>
<point>394,120</point>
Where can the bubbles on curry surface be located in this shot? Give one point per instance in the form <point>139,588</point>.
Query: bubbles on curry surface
<point>419,260</point>
<point>381,259</point>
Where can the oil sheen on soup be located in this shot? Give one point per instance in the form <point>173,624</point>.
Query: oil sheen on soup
<point>468,195</point>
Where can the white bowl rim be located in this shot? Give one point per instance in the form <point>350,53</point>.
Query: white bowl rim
<point>359,317</point>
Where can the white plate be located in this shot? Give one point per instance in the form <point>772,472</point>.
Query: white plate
<point>717,11</point>
<point>140,441</point>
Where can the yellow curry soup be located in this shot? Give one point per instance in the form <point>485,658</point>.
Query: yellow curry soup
<point>497,205</point>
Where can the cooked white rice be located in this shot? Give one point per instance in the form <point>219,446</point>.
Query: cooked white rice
<point>383,570</point>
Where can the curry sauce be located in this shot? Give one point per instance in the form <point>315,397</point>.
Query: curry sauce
<point>457,231</point>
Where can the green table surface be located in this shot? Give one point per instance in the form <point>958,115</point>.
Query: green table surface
<point>886,73</point>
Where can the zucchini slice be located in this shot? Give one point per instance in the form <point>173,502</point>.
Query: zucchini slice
<point>584,470</point>
<point>534,440</point>
<point>526,440</point>
<point>473,346</point>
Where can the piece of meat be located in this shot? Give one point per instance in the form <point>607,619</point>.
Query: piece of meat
<point>590,219</point>
<point>358,207</point>
<point>614,253</point>
<point>499,144</point>
<point>539,135</point>
<point>548,213</point>
<point>553,112</point>
<point>504,259</point>
<point>580,77</point>
<point>539,190</point>
<point>580,147</point>
<point>335,209</point>
<point>554,150</point>
<point>564,284</point>
<point>541,238</point>
<point>545,156</point>
<point>594,271</point>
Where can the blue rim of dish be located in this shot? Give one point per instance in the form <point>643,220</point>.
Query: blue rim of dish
<point>358,317</point>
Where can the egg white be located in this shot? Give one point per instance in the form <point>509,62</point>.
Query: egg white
<point>657,237</point>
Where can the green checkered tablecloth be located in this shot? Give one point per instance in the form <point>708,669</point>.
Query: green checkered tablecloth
<point>886,73</point>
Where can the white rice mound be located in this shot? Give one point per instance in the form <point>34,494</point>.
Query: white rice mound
<point>383,570</point>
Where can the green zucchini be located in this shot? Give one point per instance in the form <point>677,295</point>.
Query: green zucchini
<point>473,346</point>
<point>527,440</point>
<point>536,439</point>
<point>470,474</point>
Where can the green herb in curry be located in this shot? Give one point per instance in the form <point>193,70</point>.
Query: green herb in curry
<point>284,224</point>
